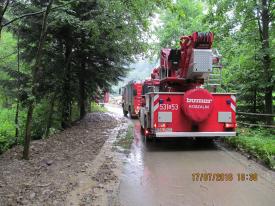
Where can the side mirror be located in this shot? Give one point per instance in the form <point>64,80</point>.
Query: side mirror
<point>135,92</point>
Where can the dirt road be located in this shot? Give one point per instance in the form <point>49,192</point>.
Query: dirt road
<point>73,167</point>
<point>160,173</point>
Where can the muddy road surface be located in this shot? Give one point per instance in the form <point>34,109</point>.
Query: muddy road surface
<point>74,167</point>
<point>164,173</point>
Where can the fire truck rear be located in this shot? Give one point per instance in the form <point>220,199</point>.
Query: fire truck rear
<point>131,98</point>
<point>182,106</point>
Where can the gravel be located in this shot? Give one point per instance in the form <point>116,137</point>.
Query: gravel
<point>50,174</point>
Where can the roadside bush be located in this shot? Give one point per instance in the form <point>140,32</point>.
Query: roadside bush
<point>40,117</point>
<point>95,107</point>
<point>7,128</point>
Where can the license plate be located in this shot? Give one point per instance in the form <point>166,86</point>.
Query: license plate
<point>164,130</point>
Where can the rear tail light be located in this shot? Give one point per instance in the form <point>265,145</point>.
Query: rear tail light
<point>230,125</point>
<point>163,125</point>
<point>160,125</point>
<point>137,110</point>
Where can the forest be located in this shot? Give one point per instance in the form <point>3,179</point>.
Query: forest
<point>57,56</point>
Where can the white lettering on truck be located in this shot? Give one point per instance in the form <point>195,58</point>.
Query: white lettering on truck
<point>168,106</point>
<point>204,101</point>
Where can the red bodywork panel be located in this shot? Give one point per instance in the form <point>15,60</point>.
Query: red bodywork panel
<point>106,97</point>
<point>173,103</point>
<point>137,98</point>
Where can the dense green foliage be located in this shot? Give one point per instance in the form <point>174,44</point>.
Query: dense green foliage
<point>7,128</point>
<point>95,107</point>
<point>181,18</point>
<point>245,36</point>
<point>70,52</point>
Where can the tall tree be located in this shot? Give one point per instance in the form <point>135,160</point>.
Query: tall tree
<point>245,30</point>
<point>265,18</point>
<point>182,17</point>
<point>35,70</point>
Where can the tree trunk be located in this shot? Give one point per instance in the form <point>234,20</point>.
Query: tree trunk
<point>18,88</point>
<point>255,102</point>
<point>28,132</point>
<point>82,92</point>
<point>3,9</point>
<point>66,103</point>
<point>266,60</point>
<point>35,68</point>
<point>50,114</point>
<point>16,122</point>
<point>88,104</point>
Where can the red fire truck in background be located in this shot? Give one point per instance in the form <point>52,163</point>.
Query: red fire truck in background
<point>106,96</point>
<point>180,106</point>
<point>131,98</point>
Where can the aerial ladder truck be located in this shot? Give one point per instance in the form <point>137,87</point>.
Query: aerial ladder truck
<point>181,106</point>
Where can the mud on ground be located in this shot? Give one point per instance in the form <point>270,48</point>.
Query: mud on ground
<point>70,168</point>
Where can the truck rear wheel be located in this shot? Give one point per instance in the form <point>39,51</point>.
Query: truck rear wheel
<point>148,139</point>
<point>141,130</point>
<point>142,133</point>
<point>204,140</point>
<point>130,113</point>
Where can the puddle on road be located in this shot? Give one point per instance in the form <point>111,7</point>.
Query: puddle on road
<point>160,173</point>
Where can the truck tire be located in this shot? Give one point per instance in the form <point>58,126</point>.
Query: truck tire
<point>141,130</point>
<point>145,138</point>
<point>142,133</point>
<point>130,113</point>
<point>204,141</point>
<point>125,113</point>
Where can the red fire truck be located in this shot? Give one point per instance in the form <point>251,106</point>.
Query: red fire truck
<point>131,98</point>
<point>183,107</point>
<point>106,96</point>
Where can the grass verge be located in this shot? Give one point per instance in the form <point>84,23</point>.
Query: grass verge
<point>95,107</point>
<point>259,143</point>
<point>125,139</point>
